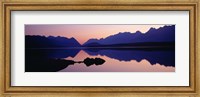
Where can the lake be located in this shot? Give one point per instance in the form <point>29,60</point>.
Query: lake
<point>116,60</point>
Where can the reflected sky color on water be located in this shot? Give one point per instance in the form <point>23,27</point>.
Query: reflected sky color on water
<point>116,60</point>
<point>114,65</point>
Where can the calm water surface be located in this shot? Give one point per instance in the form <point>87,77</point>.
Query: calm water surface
<point>116,60</point>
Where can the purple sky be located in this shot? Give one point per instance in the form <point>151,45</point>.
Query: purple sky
<point>83,32</point>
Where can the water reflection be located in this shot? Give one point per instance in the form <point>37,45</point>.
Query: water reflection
<point>110,60</point>
<point>164,57</point>
<point>53,65</point>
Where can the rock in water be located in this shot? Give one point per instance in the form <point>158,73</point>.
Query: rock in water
<point>99,61</point>
<point>91,61</point>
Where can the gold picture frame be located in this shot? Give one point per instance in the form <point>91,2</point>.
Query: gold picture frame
<point>193,90</point>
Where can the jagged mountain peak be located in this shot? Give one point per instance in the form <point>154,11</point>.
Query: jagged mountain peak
<point>162,34</point>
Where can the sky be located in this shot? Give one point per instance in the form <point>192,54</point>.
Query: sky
<point>84,32</point>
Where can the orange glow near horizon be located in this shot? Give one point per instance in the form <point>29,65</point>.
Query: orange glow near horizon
<point>84,32</point>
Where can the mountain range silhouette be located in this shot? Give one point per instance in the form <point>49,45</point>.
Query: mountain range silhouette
<point>153,37</point>
<point>37,41</point>
<point>162,34</point>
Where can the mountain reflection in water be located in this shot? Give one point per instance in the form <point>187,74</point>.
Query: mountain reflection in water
<point>115,60</point>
